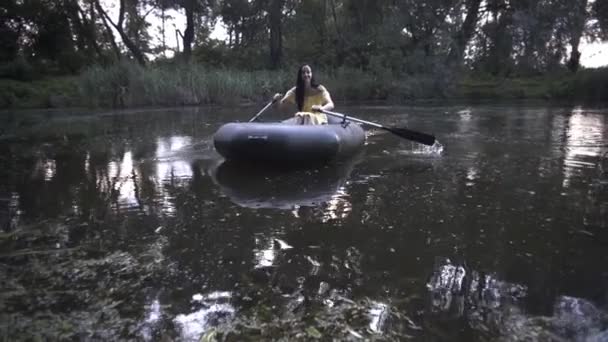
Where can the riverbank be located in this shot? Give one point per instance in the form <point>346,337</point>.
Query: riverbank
<point>129,85</point>
<point>587,85</point>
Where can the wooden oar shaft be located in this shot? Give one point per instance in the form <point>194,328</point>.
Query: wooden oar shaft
<point>346,117</point>
<point>261,111</point>
<point>405,133</point>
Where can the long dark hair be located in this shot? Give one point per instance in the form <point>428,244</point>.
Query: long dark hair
<point>300,86</point>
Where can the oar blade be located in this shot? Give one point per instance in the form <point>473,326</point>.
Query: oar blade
<point>419,137</point>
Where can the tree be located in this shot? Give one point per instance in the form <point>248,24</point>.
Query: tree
<point>11,28</point>
<point>195,10</point>
<point>276,35</point>
<point>462,37</point>
<point>600,13</point>
<point>495,42</point>
<point>576,19</point>
<point>189,32</point>
<point>120,27</point>
<point>423,19</point>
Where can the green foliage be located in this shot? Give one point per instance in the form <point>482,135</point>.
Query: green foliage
<point>129,84</point>
<point>486,88</point>
<point>512,37</point>
<point>600,11</point>
<point>18,69</point>
<point>43,93</point>
<point>589,85</point>
<point>394,50</point>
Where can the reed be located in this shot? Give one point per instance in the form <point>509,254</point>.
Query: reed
<point>127,84</point>
<point>586,84</point>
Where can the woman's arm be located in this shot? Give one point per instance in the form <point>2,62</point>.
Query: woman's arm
<point>328,104</point>
<point>289,97</point>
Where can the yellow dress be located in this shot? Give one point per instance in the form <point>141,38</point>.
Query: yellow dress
<point>307,116</point>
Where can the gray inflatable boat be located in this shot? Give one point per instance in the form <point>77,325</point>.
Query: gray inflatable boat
<point>287,142</point>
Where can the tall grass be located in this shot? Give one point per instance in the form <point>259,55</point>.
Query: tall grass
<point>586,84</point>
<point>128,84</point>
<point>41,93</point>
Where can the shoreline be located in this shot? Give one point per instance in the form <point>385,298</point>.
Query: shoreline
<point>370,104</point>
<point>587,87</point>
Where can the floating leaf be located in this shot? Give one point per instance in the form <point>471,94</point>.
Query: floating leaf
<point>209,336</point>
<point>313,332</point>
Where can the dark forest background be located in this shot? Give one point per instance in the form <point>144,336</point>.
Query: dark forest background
<point>75,52</point>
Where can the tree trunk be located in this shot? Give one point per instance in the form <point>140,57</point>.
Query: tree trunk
<point>86,29</point>
<point>502,45</point>
<point>276,35</point>
<point>163,18</point>
<point>109,34</point>
<point>340,54</point>
<point>577,26</point>
<point>335,17</point>
<point>189,32</point>
<point>133,48</point>
<point>456,54</point>
<point>72,10</point>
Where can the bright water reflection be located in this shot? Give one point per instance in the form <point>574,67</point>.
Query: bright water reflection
<point>214,307</point>
<point>585,141</point>
<point>137,230</point>
<point>169,166</point>
<point>490,304</point>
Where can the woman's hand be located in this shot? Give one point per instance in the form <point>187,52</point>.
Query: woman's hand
<point>277,97</point>
<point>316,108</point>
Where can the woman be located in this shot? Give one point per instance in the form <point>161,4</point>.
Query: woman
<point>309,97</point>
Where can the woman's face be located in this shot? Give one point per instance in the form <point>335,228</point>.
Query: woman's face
<point>306,74</point>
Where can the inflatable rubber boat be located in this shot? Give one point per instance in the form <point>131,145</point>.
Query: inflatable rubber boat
<point>289,142</point>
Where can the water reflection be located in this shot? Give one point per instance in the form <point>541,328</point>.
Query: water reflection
<point>378,313</point>
<point>170,165</point>
<point>453,289</point>
<point>496,307</point>
<point>123,176</point>
<point>9,211</point>
<point>584,142</point>
<point>472,175</point>
<point>213,309</point>
<point>337,207</point>
<point>263,187</point>
<point>153,317</point>
<point>264,252</point>
<point>125,223</point>
<point>46,169</point>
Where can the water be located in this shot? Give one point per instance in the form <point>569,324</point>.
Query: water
<point>127,225</point>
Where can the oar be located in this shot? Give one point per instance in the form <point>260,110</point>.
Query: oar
<point>262,111</point>
<point>405,133</point>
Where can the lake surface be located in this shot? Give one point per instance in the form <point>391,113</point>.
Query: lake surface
<point>127,225</point>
